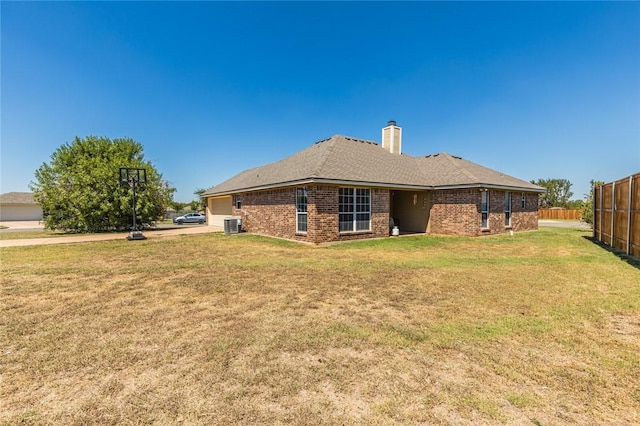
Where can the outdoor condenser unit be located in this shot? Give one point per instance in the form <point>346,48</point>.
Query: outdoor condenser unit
<point>232,225</point>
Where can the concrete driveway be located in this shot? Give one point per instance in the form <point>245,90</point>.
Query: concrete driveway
<point>564,223</point>
<point>156,233</point>
<point>23,224</point>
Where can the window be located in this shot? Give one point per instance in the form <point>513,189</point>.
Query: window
<point>354,209</point>
<point>301,209</point>
<point>507,208</point>
<point>523,201</point>
<point>237,200</point>
<point>484,208</point>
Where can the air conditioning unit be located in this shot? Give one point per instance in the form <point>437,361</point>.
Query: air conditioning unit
<point>232,225</point>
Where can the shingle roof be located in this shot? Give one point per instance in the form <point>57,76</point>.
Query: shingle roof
<point>342,159</point>
<point>17,198</point>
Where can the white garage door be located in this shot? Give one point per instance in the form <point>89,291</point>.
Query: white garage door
<point>217,219</point>
<point>18,212</point>
<point>218,209</point>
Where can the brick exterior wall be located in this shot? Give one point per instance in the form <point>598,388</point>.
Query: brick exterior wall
<point>274,213</point>
<point>452,212</point>
<point>458,212</point>
<point>524,219</point>
<point>268,212</point>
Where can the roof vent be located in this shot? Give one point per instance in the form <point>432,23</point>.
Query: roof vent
<point>392,138</point>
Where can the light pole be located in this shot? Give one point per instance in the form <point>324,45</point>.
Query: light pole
<point>133,176</point>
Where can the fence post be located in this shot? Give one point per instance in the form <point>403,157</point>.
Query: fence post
<point>613,212</point>
<point>593,209</point>
<point>629,215</point>
<point>600,214</point>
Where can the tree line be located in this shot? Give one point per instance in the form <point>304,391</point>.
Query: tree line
<point>196,205</point>
<point>559,194</point>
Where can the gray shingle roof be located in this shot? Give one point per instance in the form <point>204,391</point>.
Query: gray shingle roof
<point>342,159</point>
<point>17,198</point>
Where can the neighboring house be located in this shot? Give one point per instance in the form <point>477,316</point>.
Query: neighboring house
<point>169,213</point>
<point>16,206</point>
<point>345,188</point>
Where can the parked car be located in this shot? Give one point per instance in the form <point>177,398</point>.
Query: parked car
<point>190,218</point>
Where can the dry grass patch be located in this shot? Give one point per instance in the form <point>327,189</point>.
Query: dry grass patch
<point>539,328</point>
<point>13,234</point>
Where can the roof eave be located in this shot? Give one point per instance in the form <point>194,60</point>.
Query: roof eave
<point>370,184</point>
<point>257,188</point>
<point>316,181</point>
<point>490,186</point>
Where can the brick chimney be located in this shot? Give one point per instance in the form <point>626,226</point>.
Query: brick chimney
<point>392,138</point>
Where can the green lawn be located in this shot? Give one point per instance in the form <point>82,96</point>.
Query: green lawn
<point>536,328</point>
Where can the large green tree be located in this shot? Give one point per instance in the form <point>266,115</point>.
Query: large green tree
<point>80,189</point>
<point>558,193</point>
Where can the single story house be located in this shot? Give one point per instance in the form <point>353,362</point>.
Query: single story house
<point>344,188</point>
<point>16,206</point>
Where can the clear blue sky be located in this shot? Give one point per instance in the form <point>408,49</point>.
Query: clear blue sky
<point>535,90</point>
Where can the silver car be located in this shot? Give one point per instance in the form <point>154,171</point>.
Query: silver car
<point>190,218</point>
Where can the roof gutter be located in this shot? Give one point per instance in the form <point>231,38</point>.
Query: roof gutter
<point>258,188</point>
<point>490,186</point>
<point>371,184</point>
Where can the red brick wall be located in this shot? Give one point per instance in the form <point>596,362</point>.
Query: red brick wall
<point>380,203</point>
<point>524,219</point>
<point>269,212</point>
<point>323,213</point>
<point>452,212</point>
<point>458,212</point>
<point>274,213</point>
<point>496,213</point>
<point>455,212</point>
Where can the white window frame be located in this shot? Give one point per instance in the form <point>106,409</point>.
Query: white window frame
<point>507,209</point>
<point>237,201</point>
<point>354,207</point>
<point>484,209</point>
<point>523,201</point>
<point>301,209</point>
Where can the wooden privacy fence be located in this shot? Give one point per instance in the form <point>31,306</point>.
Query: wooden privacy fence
<point>616,214</point>
<point>559,214</point>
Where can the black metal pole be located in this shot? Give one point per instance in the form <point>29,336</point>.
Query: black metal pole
<point>135,234</point>
<point>133,185</point>
<point>133,177</point>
